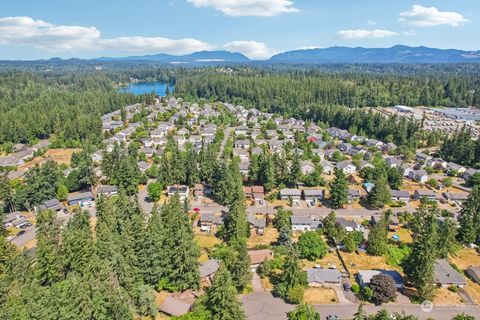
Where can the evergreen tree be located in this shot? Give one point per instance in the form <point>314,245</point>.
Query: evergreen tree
<point>380,194</point>
<point>77,245</point>
<point>48,255</point>
<point>180,252</point>
<point>295,171</point>
<point>293,277</point>
<point>469,218</point>
<point>419,266</point>
<point>378,237</point>
<point>447,242</point>
<point>221,299</point>
<point>339,190</point>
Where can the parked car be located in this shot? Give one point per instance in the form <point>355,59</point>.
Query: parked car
<point>10,238</point>
<point>346,286</point>
<point>332,317</point>
<point>19,233</point>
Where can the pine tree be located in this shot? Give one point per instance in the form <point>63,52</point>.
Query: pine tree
<point>339,190</point>
<point>295,171</point>
<point>378,237</point>
<point>239,266</point>
<point>152,274</point>
<point>77,244</point>
<point>48,258</point>
<point>469,218</point>
<point>447,242</point>
<point>293,276</point>
<point>419,266</point>
<point>380,195</point>
<point>221,299</point>
<point>180,252</point>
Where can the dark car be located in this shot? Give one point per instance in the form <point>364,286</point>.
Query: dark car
<point>19,233</point>
<point>332,317</point>
<point>346,286</point>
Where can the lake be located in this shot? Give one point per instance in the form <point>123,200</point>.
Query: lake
<point>137,88</point>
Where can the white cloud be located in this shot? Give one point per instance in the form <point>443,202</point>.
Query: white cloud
<point>252,49</point>
<point>364,34</point>
<point>371,22</point>
<point>238,8</point>
<point>409,33</point>
<point>44,35</point>
<point>49,37</point>
<point>420,16</point>
<point>154,44</point>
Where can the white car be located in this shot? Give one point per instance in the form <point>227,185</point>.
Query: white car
<point>10,238</point>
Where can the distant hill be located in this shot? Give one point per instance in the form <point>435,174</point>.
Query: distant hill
<point>396,54</point>
<point>196,57</point>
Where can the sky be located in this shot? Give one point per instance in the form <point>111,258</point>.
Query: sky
<point>40,29</point>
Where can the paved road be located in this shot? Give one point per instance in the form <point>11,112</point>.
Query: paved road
<point>263,306</point>
<point>227,133</point>
<point>324,211</point>
<point>25,238</point>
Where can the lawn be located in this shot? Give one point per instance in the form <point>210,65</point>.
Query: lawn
<point>404,235</point>
<point>320,296</point>
<point>465,258</point>
<point>269,237</point>
<point>206,241</point>
<point>60,156</point>
<point>330,259</point>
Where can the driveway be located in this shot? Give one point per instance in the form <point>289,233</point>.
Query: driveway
<point>22,240</point>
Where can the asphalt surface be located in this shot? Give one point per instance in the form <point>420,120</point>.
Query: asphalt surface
<point>263,306</point>
<point>22,240</point>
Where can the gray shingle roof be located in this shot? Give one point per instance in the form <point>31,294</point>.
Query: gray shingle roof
<point>323,276</point>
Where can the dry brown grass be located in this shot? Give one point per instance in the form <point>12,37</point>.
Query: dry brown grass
<point>330,259</point>
<point>465,258</point>
<point>60,156</point>
<point>320,296</point>
<point>269,237</point>
<point>404,235</point>
<point>473,290</point>
<point>266,284</point>
<point>206,241</point>
<point>446,297</point>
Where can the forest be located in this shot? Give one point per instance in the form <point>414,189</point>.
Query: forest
<point>275,90</point>
<point>69,105</point>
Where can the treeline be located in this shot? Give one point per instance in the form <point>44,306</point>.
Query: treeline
<point>461,149</point>
<point>68,105</point>
<point>277,91</point>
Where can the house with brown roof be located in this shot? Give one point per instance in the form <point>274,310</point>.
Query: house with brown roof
<point>257,257</point>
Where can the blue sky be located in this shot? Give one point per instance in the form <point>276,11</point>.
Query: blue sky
<point>34,29</point>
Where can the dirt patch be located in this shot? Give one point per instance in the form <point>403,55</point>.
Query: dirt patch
<point>60,156</point>
<point>320,296</point>
<point>270,236</point>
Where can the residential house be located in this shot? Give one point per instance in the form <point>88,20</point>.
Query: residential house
<point>356,150</point>
<point>257,224</point>
<point>453,167</point>
<point>429,194</point>
<point>241,130</point>
<point>436,163</point>
<point>307,167</point>
<point>362,164</point>
<point>313,194</point>
<point>400,195</point>
<point>469,173</point>
<point>328,167</point>
<point>345,147</point>
<point>257,257</point>
<point>446,275</point>
<point>365,276</point>
<point>304,223</point>
<point>143,166</point>
<point>455,196</point>
<point>347,167</point>
<point>353,194</point>
<point>254,192</point>
<point>317,277</point>
<point>83,199</point>
<point>373,143</point>
<point>207,271</point>
<point>209,221</point>
<point>241,153</point>
<point>182,191</point>
<point>474,273</point>
<point>52,204</point>
<point>294,194</point>
<point>349,225</point>
<point>242,144</point>
<point>107,190</point>
<point>420,176</point>
<point>244,166</point>
<point>393,162</point>
<point>422,157</point>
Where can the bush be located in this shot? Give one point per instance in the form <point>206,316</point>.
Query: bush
<point>311,246</point>
<point>303,312</point>
<point>355,288</point>
<point>367,293</point>
<point>295,294</point>
<point>453,289</point>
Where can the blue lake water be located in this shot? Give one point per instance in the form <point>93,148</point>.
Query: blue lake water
<point>137,88</point>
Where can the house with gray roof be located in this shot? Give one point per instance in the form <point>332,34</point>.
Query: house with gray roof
<point>446,275</point>
<point>304,223</point>
<point>365,276</point>
<point>313,194</point>
<point>294,194</point>
<point>317,277</point>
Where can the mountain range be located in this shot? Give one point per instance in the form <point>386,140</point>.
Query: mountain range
<point>344,55</point>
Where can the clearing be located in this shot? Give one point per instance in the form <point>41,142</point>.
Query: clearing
<point>270,235</point>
